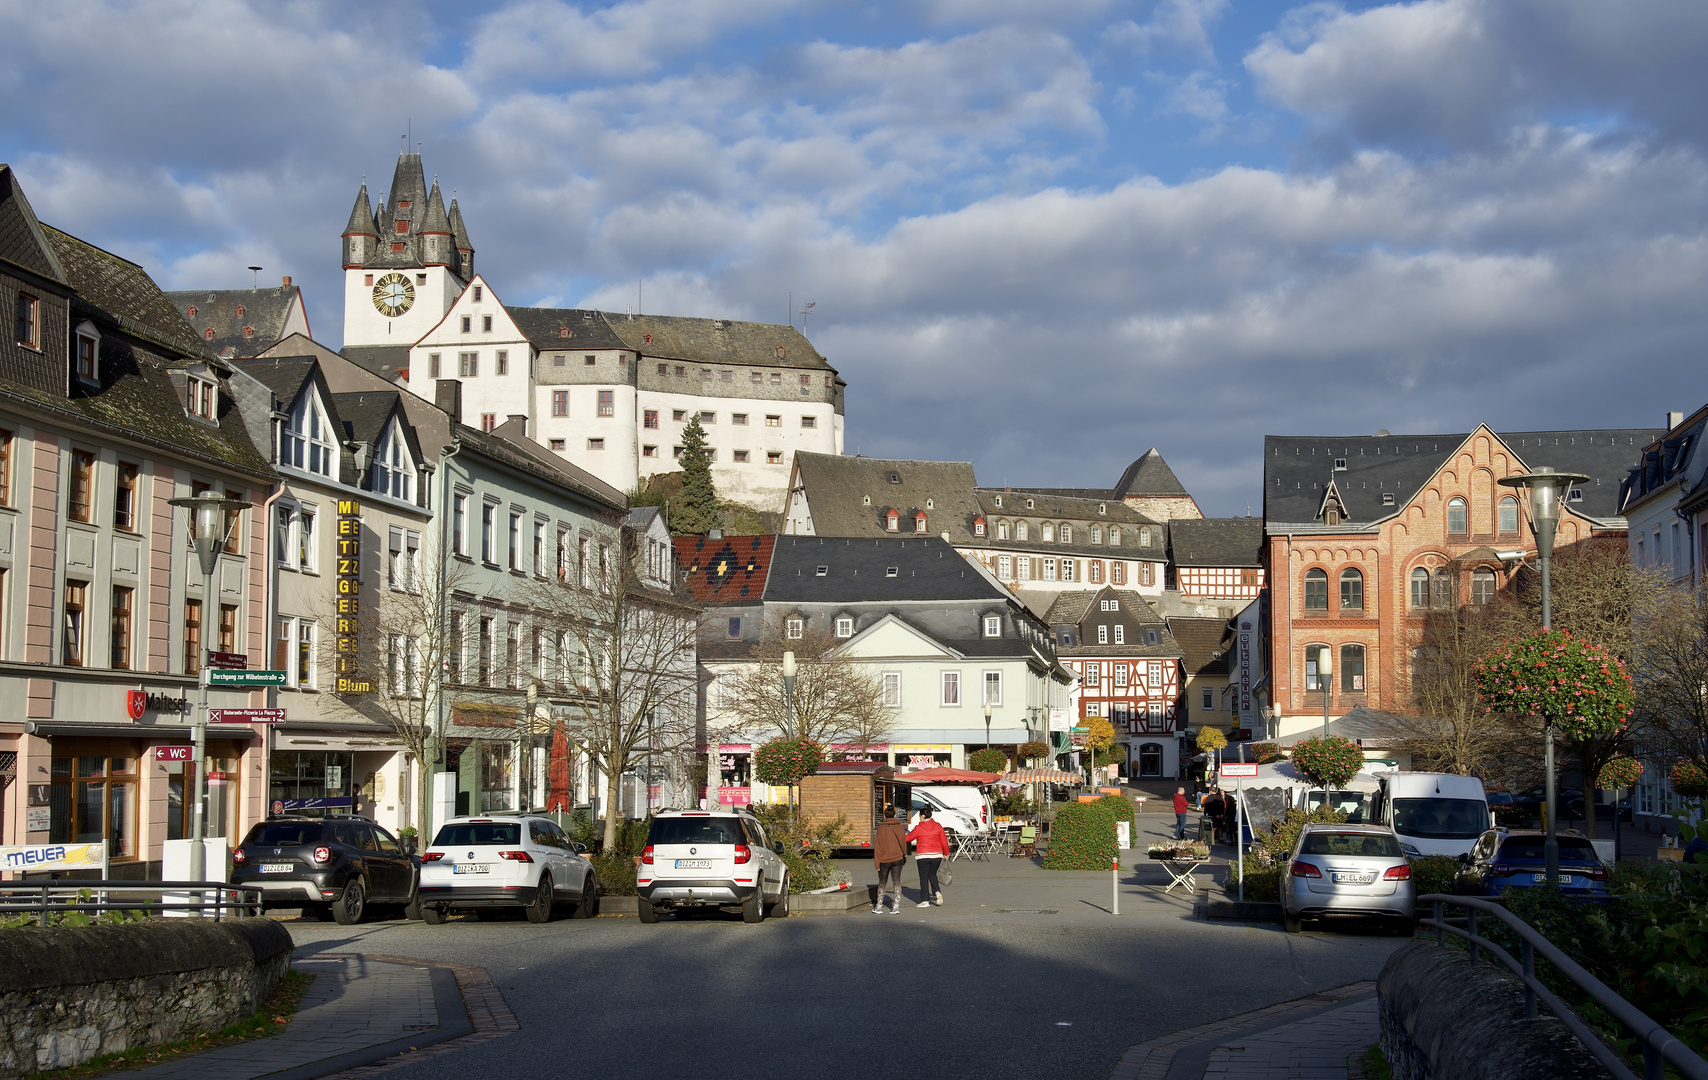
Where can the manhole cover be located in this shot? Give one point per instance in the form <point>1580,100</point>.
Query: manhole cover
<point>1026,911</point>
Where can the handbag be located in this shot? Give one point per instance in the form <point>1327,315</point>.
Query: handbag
<point>944,877</point>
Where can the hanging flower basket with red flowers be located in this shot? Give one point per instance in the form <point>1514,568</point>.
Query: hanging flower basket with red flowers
<point>1555,677</point>
<point>782,762</point>
<point>1689,780</point>
<point>1328,763</point>
<point>1621,772</point>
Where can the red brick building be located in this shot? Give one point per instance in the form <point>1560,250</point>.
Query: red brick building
<point>1364,534</point>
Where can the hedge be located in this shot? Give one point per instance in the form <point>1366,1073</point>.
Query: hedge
<point>1083,836</point>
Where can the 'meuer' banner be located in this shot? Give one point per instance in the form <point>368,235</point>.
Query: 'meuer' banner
<point>36,856</point>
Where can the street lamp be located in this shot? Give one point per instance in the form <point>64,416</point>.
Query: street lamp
<point>208,512</point>
<point>1325,672</point>
<point>987,724</point>
<point>789,715</point>
<point>1544,489</point>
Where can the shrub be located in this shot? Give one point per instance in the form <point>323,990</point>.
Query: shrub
<point>1210,738</point>
<point>806,847</point>
<point>1119,808</point>
<point>616,872</point>
<point>1435,874</point>
<point>1013,803</point>
<point>1278,842</point>
<point>1082,837</point>
<point>989,759</point>
<point>1262,881</point>
<point>783,762</point>
<point>1328,763</point>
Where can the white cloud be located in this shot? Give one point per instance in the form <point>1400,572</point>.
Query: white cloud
<point>1183,24</point>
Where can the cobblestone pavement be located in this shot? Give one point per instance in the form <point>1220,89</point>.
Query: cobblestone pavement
<point>1317,1037</point>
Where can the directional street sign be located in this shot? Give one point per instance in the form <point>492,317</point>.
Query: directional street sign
<point>245,678</point>
<point>1232,769</point>
<point>246,716</point>
<point>237,661</point>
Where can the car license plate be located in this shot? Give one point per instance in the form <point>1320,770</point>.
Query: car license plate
<point>1538,878</point>
<point>471,868</point>
<point>277,867</point>
<point>1353,879</point>
<point>693,864</point>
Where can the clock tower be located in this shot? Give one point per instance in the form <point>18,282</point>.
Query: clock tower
<point>405,264</point>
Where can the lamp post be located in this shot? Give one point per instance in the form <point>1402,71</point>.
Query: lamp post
<point>987,724</point>
<point>789,715</point>
<point>1325,673</point>
<point>1544,489</point>
<point>207,533</point>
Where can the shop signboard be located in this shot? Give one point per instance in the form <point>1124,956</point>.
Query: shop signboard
<point>56,856</point>
<point>221,677</point>
<point>234,660</point>
<point>1233,769</point>
<point>1060,720</point>
<point>347,639</point>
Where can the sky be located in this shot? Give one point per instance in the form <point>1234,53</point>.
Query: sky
<point>1040,237</point>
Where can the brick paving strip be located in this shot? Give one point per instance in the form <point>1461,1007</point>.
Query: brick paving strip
<point>364,1014</point>
<point>1189,1054</point>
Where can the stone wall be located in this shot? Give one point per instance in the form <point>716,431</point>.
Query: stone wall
<point>1443,1018</point>
<point>68,994</point>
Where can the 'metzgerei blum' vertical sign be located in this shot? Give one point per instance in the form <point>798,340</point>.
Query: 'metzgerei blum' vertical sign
<point>350,680</point>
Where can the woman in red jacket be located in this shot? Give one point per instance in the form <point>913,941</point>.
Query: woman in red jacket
<point>932,847</point>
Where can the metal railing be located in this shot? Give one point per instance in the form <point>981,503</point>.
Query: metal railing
<point>1660,1047</point>
<point>210,899</point>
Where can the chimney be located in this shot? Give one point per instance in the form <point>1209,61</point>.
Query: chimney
<point>287,281</point>
<point>519,420</point>
<point>1673,419</point>
<point>448,395</point>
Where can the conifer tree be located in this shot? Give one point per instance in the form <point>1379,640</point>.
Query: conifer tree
<point>694,512</point>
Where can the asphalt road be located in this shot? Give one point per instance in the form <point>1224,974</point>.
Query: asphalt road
<point>917,993</point>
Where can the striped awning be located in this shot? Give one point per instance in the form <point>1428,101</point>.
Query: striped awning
<point>1042,776</point>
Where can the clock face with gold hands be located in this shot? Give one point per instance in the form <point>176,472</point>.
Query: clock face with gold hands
<point>393,295</point>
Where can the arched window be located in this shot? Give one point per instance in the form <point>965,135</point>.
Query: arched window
<point>1420,588</point>
<point>1509,515</point>
<point>1482,587</point>
<point>1444,592</point>
<point>1457,519</point>
<point>1351,590</point>
<point>1311,680</point>
<point>1002,530</point>
<point>1114,536</point>
<point>1352,668</point>
<point>1021,530</point>
<point>1316,590</point>
<point>1144,538</point>
<point>1047,533</point>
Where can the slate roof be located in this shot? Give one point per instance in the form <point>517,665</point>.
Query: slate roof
<point>283,375</point>
<point>22,242</point>
<point>264,315</point>
<point>1078,512</point>
<point>731,570</point>
<point>1150,475</point>
<point>1216,541</point>
<point>1207,644</point>
<point>362,217</point>
<point>511,446</point>
<point>137,398</point>
<point>856,571</point>
<point>1677,455</point>
<point>1296,469</point>
<point>386,361</point>
<point>543,327</point>
<point>836,487</point>
<point>1073,609</point>
<point>733,342</point>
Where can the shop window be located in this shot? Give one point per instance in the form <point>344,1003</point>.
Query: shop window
<point>93,798</point>
<point>302,779</point>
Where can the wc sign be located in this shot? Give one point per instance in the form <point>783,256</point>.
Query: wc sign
<point>174,753</point>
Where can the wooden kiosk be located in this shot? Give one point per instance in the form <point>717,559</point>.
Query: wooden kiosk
<point>859,791</point>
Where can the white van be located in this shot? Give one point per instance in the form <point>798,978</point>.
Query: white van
<point>1433,813</point>
<point>969,799</point>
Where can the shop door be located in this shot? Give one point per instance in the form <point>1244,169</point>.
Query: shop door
<point>1150,759</point>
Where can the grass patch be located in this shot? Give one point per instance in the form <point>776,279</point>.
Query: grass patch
<point>1375,1065</point>
<point>270,1019</point>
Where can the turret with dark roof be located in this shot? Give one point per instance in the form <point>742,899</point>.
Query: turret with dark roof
<point>460,238</point>
<point>437,243</point>
<point>361,237</point>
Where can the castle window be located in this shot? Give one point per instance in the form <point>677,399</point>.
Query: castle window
<point>560,403</point>
<point>503,361</point>
<point>741,457</point>
<point>557,444</point>
<point>1021,531</point>
<point>402,228</point>
<point>649,418</point>
<point>433,365</point>
<point>1316,590</point>
<point>588,359</point>
<point>607,403</point>
<point>397,248</point>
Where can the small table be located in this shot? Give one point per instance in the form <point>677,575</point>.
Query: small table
<point>1181,871</point>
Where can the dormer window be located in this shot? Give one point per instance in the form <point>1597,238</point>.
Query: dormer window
<point>892,571</point>
<point>88,353</point>
<point>866,500</point>
<point>1114,536</point>
<point>993,626</point>
<point>1028,504</point>
<point>1102,509</point>
<point>892,521</point>
<point>919,522</point>
<point>240,311</point>
<point>1048,533</point>
<point>1002,530</point>
<point>930,504</point>
<point>999,501</point>
<point>844,626</point>
<point>1022,531</point>
<point>305,440</point>
<point>1067,534</point>
<point>1144,538</point>
<point>201,397</point>
<point>1097,534</point>
<point>394,472</point>
<point>978,526</point>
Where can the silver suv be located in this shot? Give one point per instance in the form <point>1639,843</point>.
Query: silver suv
<point>711,858</point>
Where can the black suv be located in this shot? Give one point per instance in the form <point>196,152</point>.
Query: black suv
<point>336,865</point>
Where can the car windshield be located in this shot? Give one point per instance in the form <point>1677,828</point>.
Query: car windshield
<point>478,833</point>
<point>1531,847</point>
<point>1354,804</point>
<point>1371,845</point>
<point>1441,819</point>
<point>694,830</point>
<point>284,833</point>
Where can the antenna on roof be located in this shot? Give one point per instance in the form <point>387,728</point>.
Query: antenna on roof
<point>254,270</point>
<point>804,312</point>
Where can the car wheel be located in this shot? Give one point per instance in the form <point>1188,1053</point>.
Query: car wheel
<point>540,911</point>
<point>1290,922</point>
<point>433,916</point>
<point>589,905</point>
<point>348,909</point>
<point>412,910</point>
<point>779,909</point>
<point>753,908</point>
<point>644,908</point>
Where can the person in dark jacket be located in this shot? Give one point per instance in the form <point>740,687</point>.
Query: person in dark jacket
<point>1213,811</point>
<point>889,852</point>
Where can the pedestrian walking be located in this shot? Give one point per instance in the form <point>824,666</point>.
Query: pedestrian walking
<point>931,847</point>
<point>1180,809</point>
<point>889,852</point>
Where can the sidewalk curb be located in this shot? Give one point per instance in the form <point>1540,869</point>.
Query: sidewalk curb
<point>463,992</point>
<point>1152,1060</point>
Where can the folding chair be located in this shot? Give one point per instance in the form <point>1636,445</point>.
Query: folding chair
<point>1027,846</point>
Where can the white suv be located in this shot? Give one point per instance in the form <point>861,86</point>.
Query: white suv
<point>711,858</point>
<point>505,861</point>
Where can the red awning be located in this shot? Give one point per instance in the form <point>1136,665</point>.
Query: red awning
<point>948,776</point>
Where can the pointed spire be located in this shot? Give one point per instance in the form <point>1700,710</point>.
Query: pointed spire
<point>435,232</point>
<point>435,220</point>
<point>362,217</point>
<point>460,240</point>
